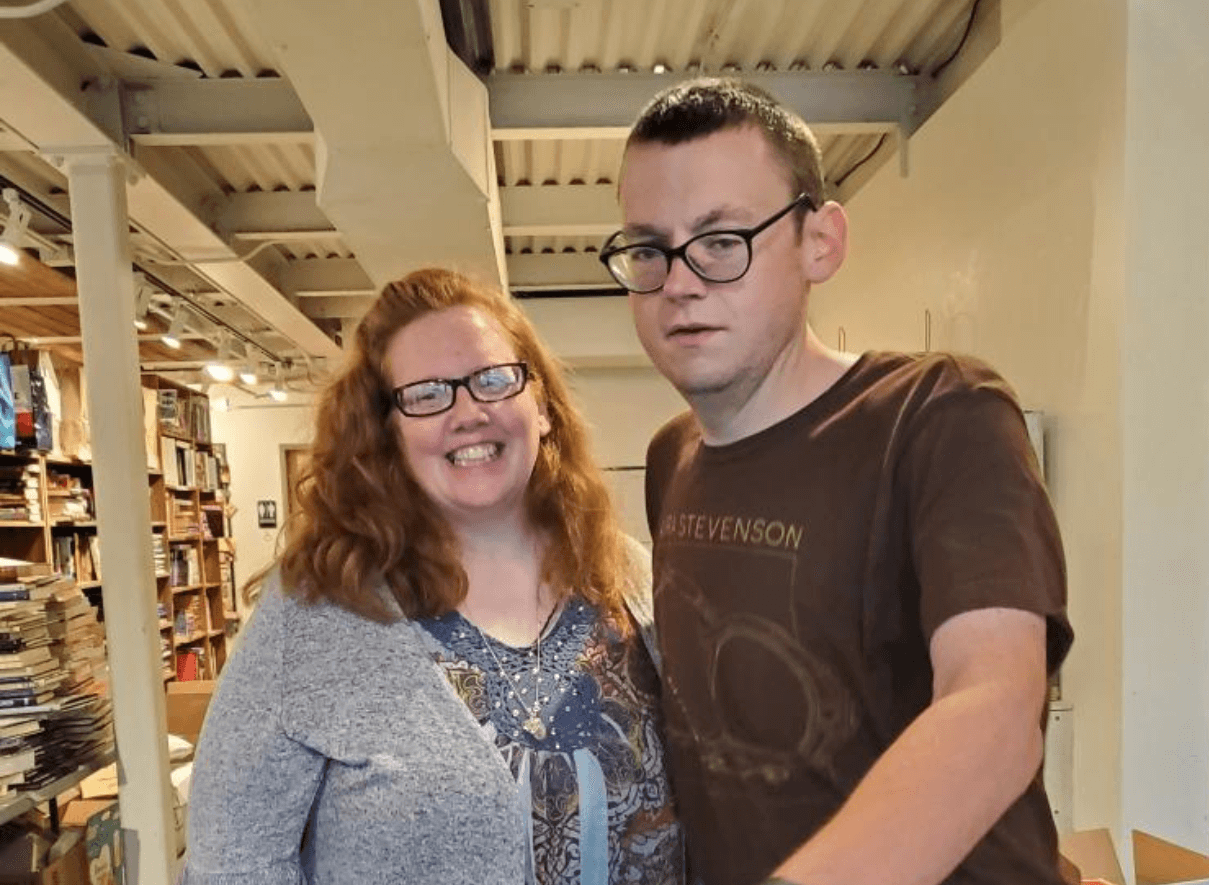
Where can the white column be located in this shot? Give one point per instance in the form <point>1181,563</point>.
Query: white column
<point>1165,426</point>
<point>97,185</point>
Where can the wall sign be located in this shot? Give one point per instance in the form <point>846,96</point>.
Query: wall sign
<point>266,514</point>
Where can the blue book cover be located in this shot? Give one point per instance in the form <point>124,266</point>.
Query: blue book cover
<point>8,413</point>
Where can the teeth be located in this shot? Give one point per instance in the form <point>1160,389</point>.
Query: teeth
<point>476,454</point>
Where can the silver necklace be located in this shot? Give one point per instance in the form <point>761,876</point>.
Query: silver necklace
<point>533,722</point>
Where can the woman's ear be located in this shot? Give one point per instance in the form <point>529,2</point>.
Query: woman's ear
<point>543,420</point>
<point>825,241</point>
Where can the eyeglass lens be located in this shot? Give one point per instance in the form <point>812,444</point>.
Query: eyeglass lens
<point>487,385</point>
<point>717,257</point>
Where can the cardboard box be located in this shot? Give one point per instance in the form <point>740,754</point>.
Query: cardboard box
<point>102,825</point>
<point>27,860</point>
<point>186,707</point>
<point>1156,861</point>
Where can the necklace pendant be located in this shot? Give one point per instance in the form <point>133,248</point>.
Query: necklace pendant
<point>535,726</point>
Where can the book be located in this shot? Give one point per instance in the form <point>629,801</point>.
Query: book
<point>27,701</point>
<point>8,417</point>
<point>24,658</point>
<point>49,706</point>
<point>188,665</point>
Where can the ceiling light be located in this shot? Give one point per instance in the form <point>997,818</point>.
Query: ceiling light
<point>277,392</point>
<point>176,328</point>
<point>14,229</point>
<point>220,368</point>
<point>247,369</point>
<point>142,301</point>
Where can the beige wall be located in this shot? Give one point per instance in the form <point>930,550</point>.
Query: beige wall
<point>1008,231</point>
<point>255,432</point>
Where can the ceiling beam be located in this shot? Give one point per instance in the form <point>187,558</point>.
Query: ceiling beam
<point>533,106</point>
<point>565,270</point>
<point>276,212</point>
<point>572,210</point>
<point>203,112</point>
<point>337,306</point>
<point>320,276</point>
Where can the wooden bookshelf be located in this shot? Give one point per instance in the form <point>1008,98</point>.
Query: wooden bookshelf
<point>188,483</point>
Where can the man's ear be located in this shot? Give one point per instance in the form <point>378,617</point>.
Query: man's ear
<point>825,241</point>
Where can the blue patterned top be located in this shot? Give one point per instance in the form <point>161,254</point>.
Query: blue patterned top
<point>592,773</point>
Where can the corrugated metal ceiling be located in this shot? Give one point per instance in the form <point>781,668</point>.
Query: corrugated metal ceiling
<point>217,39</point>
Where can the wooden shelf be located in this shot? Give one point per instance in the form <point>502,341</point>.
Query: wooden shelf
<point>176,434</point>
<point>66,462</point>
<point>190,639</point>
<point>186,588</point>
<point>23,802</point>
<point>89,585</point>
<point>20,524</point>
<point>74,524</point>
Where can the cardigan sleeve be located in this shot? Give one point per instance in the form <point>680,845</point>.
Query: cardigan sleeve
<point>253,785</point>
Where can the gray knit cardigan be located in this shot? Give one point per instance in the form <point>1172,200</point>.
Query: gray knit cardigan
<point>322,714</point>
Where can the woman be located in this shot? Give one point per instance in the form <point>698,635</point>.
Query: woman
<point>442,682</point>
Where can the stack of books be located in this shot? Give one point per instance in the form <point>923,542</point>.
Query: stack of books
<point>182,518</point>
<point>20,493</point>
<point>183,568</point>
<point>55,713</point>
<point>68,500</point>
<point>166,661</point>
<point>159,554</point>
<point>29,675</point>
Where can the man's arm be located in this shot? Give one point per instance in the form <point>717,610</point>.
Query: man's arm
<point>953,772</point>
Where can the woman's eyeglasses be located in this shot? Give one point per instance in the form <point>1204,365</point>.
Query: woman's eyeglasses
<point>433,396</point>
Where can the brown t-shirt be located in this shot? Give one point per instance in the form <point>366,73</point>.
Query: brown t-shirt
<point>799,574</point>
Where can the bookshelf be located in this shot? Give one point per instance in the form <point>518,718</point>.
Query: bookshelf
<point>188,483</point>
<point>47,515</point>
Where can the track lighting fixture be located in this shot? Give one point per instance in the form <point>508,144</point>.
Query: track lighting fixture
<point>142,301</point>
<point>277,392</point>
<point>247,369</point>
<point>176,328</point>
<point>14,228</point>
<point>220,368</point>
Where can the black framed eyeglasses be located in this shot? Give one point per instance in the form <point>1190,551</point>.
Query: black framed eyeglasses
<point>432,396</point>
<point>716,256</point>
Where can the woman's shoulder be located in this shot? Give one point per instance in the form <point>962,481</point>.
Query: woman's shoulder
<point>317,629</point>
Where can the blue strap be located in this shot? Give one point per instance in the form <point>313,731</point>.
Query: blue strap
<point>593,820</point>
<point>524,790</point>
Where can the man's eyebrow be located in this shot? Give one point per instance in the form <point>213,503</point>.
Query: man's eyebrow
<point>700,224</point>
<point>642,231</point>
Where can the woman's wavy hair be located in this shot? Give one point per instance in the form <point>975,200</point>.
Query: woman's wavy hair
<point>363,522</point>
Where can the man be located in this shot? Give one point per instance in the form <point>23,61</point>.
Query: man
<point>859,581</point>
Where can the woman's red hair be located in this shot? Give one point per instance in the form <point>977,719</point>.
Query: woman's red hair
<point>363,523</point>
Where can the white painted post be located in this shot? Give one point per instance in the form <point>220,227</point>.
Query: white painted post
<point>97,186</point>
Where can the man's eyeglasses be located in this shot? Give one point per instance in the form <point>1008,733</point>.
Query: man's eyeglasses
<point>435,395</point>
<point>717,256</point>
